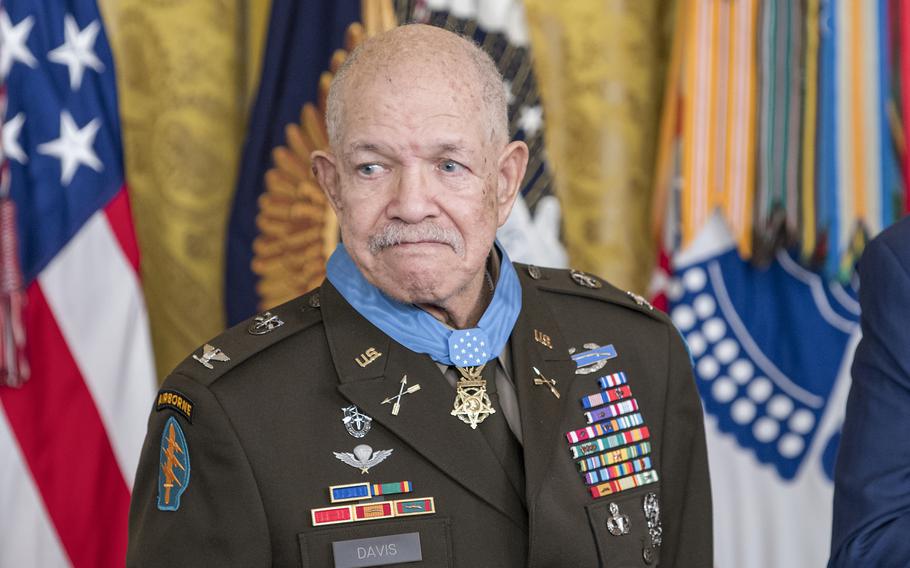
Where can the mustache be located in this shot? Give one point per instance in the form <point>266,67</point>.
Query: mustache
<point>398,233</point>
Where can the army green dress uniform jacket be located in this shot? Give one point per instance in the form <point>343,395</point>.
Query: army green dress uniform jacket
<point>261,430</point>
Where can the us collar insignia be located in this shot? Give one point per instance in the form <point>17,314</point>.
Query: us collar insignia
<point>543,338</point>
<point>363,457</point>
<point>355,422</point>
<point>264,323</point>
<point>584,279</point>
<point>403,390</point>
<point>174,469</point>
<point>210,353</point>
<point>368,357</point>
<point>175,401</point>
<point>593,359</point>
<point>472,403</point>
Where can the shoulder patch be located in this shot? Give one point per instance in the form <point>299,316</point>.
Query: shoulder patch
<point>173,400</point>
<point>174,468</point>
<point>225,352</point>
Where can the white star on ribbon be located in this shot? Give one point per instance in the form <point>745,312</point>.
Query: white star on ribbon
<point>530,119</point>
<point>12,43</point>
<point>74,147</point>
<point>77,51</point>
<point>10,144</point>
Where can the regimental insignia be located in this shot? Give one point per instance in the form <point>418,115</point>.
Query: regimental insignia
<point>368,357</point>
<point>651,507</point>
<point>472,403</point>
<point>363,457</point>
<point>174,471</point>
<point>618,523</point>
<point>584,279</point>
<point>210,353</point>
<point>640,300</point>
<point>403,390</point>
<point>173,400</point>
<point>355,422</point>
<point>593,359</point>
<point>543,338</point>
<point>264,323</point>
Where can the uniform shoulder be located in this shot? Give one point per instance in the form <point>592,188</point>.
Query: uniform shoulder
<point>573,282</point>
<point>223,353</point>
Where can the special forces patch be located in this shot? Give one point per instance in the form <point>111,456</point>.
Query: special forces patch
<point>174,470</point>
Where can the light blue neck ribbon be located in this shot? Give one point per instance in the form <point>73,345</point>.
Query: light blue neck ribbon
<point>422,333</point>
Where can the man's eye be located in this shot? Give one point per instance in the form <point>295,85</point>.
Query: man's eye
<point>450,166</point>
<point>369,169</point>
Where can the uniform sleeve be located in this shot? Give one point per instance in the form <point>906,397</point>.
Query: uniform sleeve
<point>872,492</point>
<point>688,539</point>
<point>220,520</point>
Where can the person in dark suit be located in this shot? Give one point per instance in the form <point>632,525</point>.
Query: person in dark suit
<point>430,404</point>
<point>872,475</point>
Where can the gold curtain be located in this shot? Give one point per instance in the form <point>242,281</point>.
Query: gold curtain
<point>600,67</point>
<point>186,75</point>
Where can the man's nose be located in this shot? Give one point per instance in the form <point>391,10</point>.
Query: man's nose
<point>414,196</point>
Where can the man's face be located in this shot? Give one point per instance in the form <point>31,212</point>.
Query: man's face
<point>417,185</point>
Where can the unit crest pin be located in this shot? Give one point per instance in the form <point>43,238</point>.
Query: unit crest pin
<point>264,323</point>
<point>355,422</point>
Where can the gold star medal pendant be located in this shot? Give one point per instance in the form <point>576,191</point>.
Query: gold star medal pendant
<point>472,403</point>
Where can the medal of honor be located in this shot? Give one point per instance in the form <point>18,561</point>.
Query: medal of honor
<point>472,404</point>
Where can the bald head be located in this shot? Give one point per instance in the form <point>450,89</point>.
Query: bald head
<point>419,51</point>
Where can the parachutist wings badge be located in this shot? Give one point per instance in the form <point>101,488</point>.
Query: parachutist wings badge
<point>363,457</point>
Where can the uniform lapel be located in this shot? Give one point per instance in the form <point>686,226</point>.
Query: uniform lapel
<point>423,422</point>
<point>537,342</point>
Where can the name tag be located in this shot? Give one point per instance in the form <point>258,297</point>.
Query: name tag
<point>378,551</point>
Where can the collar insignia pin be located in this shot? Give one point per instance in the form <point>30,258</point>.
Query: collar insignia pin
<point>534,272</point>
<point>542,380</point>
<point>543,338</point>
<point>368,356</point>
<point>405,389</point>
<point>618,523</point>
<point>363,457</point>
<point>264,323</point>
<point>355,422</point>
<point>210,353</point>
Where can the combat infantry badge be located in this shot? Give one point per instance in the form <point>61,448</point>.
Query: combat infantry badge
<point>357,423</point>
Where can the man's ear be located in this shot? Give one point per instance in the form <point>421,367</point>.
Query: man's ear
<point>326,171</point>
<point>512,165</point>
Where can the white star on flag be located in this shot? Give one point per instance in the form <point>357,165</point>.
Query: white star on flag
<point>10,144</point>
<point>12,43</point>
<point>77,51</point>
<point>530,119</point>
<point>74,147</point>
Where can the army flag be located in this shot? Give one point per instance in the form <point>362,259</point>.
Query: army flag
<point>77,373</point>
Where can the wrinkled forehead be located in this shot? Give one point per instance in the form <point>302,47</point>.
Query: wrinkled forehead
<point>416,97</point>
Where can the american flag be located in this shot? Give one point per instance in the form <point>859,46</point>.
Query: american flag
<point>76,370</point>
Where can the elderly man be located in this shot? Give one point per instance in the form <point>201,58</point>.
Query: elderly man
<point>431,402</point>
